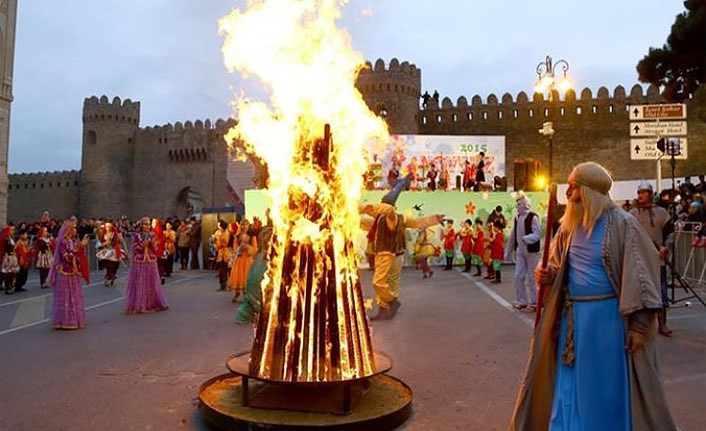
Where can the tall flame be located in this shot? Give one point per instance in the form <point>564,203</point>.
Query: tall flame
<point>307,63</point>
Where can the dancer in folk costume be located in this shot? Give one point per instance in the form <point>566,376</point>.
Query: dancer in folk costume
<point>497,249</point>
<point>43,255</point>
<point>170,238</point>
<point>244,249</point>
<point>478,247</point>
<point>223,251</point>
<point>423,250</point>
<point>69,265</point>
<point>465,234</point>
<point>444,177</point>
<point>593,363</point>
<point>8,257</point>
<point>249,309</point>
<point>487,259</point>
<point>159,247</point>
<point>111,251</point>
<point>390,245</point>
<point>448,237</point>
<point>24,259</point>
<point>144,288</point>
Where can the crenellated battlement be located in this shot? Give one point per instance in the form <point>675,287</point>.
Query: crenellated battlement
<point>95,110</point>
<point>603,103</point>
<point>403,78</point>
<point>220,126</point>
<point>44,179</point>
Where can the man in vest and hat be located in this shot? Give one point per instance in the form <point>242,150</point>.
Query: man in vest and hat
<point>658,226</point>
<point>524,241</point>
<point>387,229</point>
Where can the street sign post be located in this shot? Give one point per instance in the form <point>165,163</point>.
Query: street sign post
<point>646,149</point>
<point>658,128</point>
<point>670,111</point>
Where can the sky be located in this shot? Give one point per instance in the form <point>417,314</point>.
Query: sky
<point>167,55</point>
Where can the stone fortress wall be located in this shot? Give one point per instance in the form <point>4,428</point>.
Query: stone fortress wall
<point>160,170</point>
<point>587,127</point>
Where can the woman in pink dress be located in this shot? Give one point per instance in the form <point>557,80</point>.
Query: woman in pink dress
<point>68,265</point>
<point>144,287</point>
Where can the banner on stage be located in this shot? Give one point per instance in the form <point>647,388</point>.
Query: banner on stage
<point>419,152</point>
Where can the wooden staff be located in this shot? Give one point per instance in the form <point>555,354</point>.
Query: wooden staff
<point>551,213</point>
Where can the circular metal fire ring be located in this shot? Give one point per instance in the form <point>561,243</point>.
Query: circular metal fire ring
<point>383,403</point>
<point>239,364</point>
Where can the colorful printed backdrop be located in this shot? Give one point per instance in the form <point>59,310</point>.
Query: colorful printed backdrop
<point>457,206</point>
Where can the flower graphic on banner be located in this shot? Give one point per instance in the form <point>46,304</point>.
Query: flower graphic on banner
<point>470,208</point>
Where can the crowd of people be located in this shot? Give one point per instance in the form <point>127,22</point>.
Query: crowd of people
<point>602,289</point>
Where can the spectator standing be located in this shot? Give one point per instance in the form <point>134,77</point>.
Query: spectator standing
<point>195,242</point>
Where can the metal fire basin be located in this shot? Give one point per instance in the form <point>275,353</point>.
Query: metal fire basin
<point>241,401</point>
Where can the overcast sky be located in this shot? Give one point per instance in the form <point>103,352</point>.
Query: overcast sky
<point>166,54</point>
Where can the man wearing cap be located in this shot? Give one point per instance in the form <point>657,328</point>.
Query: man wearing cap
<point>524,241</point>
<point>592,361</point>
<point>387,228</point>
<point>658,226</point>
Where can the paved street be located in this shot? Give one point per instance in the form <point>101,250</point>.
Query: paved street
<point>455,341</point>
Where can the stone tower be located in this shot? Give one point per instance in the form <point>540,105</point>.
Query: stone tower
<point>8,22</point>
<point>393,93</point>
<point>107,158</point>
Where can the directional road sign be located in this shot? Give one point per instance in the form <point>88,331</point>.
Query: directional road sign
<point>671,111</point>
<point>646,149</point>
<point>658,128</point>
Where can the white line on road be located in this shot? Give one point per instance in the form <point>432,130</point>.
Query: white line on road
<point>46,295</point>
<point>685,316</point>
<point>100,304</point>
<point>686,378</point>
<point>500,300</point>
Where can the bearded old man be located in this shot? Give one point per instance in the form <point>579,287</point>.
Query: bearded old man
<point>600,370</point>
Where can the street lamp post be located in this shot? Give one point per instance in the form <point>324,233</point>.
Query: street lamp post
<point>547,82</point>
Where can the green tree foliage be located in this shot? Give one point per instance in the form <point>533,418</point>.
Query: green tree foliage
<point>680,65</point>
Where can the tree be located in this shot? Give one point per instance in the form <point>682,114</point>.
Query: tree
<point>680,65</point>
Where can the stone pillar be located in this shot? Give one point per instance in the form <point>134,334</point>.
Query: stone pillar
<point>8,22</point>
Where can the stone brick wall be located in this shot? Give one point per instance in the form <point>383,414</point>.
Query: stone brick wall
<point>587,127</point>
<point>32,194</point>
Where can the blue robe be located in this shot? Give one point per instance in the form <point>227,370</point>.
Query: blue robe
<point>594,392</point>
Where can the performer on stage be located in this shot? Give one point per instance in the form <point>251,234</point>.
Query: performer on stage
<point>69,265</point>
<point>110,252</point>
<point>390,245</point>
<point>43,255</point>
<point>144,289</point>
<point>524,241</point>
<point>592,361</point>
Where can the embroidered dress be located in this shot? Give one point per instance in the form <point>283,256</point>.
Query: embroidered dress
<point>67,310</point>
<point>144,287</point>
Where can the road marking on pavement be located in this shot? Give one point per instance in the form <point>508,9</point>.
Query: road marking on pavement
<point>46,295</point>
<point>686,378</point>
<point>27,312</point>
<point>100,304</point>
<point>686,316</point>
<point>500,300</point>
